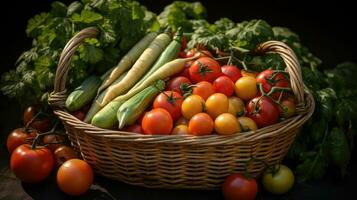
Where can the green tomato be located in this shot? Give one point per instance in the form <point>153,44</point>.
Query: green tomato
<point>278,180</point>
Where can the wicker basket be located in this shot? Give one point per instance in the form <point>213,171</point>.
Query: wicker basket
<point>176,161</point>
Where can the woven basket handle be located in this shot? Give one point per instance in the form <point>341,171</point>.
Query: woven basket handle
<point>58,95</point>
<point>292,65</point>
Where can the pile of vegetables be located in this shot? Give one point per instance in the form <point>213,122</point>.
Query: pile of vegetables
<point>325,142</point>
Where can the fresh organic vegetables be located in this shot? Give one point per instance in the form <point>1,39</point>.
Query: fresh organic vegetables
<point>106,117</point>
<point>237,186</point>
<point>157,121</point>
<point>95,107</point>
<point>128,59</point>
<point>278,179</point>
<point>144,62</point>
<point>170,53</point>
<point>83,94</point>
<point>131,110</point>
<point>326,140</point>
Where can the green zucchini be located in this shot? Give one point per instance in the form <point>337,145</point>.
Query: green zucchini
<point>83,94</point>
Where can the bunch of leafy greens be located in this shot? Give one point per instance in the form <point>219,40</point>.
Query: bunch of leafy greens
<point>121,24</point>
<point>326,140</point>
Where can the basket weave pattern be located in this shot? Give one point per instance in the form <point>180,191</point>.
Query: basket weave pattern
<point>176,161</point>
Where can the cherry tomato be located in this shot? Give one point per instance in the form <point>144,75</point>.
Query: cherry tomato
<point>287,108</point>
<point>157,121</point>
<point>217,104</point>
<point>192,105</point>
<point>238,187</point>
<point>246,88</point>
<point>236,106</point>
<point>226,124</point>
<point>224,85</point>
<point>193,51</point>
<point>263,111</point>
<point>233,72</point>
<point>74,177</point>
<point>178,83</point>
<point>203,89</point>
<point>29,113</point>
<point>200,124</point>
<point>18,137</point>
<point>278,180</point>
<point>135,128</point>
<point>64,153</point>
<point>170,101</point>
<point>204,69</point>
<point>53,141</point>
<point>31,165</point>
<point>270,78</point>
<point>180,130</point>
<point>42,124</point>
<point>181,121</point>
<point>79,114</point>
<point>247,124</point>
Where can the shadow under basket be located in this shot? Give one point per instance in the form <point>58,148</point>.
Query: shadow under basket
<point>180,161</point>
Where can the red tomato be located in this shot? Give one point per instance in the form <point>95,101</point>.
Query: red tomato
<point>64,153</point>
<point>135,128</point>
<point>203,89</point>
<point>263,111</point>
<point>204,69</point>
<point>185,72</point>
<point>238,187</point>
<point>53,141</point>
<point>29,113</point>
<point>79,114</point>
<point>157,121</point>
<point>287,108</point>
<point>270,78</point>
<point>177,83</point>
<point>170,101</point>
<point>74,177</point>
<point>18,137</point>
<point>31,165</point>
<point>233,72</point>
<point>225,85</point>
<point>42,124</point>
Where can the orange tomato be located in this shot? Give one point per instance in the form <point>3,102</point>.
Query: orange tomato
<point>246,88</point>
<point>226,124</point>
<point>217,104</point>
<point>74,177</point>
<point>157,121</point>
<point>203,89</point>
<point>192,105</point>
<point>180,130</point>
<point>200,124</point>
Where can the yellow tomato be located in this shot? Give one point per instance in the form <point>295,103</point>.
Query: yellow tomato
<point>217,104</point>
<point>181,121</point>
<point>192,105</point>
<point>236,106</point>
<point>226,124</point>
<point>246,88</point>
<point>247,124</point>
<point>180,130</point>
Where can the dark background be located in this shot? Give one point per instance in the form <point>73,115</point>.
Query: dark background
<point>327,29</point>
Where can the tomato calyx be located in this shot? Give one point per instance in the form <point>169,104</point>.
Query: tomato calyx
<point>186,89</point>
<point>203,69</point>
<point>273,169</point>
<point>171,99</point>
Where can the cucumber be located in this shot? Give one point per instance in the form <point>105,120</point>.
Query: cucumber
<point>83,94</point>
